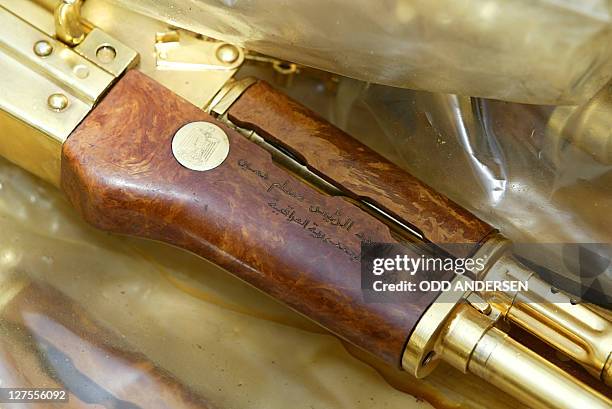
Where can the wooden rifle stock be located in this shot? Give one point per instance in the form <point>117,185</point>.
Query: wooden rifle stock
<point>251,216</point>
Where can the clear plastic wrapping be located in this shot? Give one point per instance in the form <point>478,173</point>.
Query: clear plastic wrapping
<point>530,51</point>
<point>540,174</point>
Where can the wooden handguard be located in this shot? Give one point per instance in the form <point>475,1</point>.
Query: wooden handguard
<point>360,171</point>
<point>248,215</point>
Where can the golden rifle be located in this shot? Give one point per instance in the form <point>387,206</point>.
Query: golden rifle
<point>55,53</point>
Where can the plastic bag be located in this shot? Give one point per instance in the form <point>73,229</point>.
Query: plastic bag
<point>531,51</point>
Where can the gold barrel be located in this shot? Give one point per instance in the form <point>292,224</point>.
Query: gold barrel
<point>458,329</point>
<point>472,344</point>
<point>577,330</point>
<point>519,371</point>
<point>580,331</point>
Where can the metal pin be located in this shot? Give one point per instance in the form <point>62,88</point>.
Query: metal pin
<point>57,102</point>
<point>106,53</point>
<point>43,48</point>
<point>227,53</point>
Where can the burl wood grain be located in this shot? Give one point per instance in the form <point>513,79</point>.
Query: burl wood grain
<point>248,215</point>
<point>333,154</point>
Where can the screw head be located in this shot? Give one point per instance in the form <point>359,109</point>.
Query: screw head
<point>57,102</point>
<point>227,53</point>
<point>43,48</point>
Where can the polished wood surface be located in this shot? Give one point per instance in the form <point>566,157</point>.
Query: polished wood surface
<point>359,170</point>
<point>248,215</point>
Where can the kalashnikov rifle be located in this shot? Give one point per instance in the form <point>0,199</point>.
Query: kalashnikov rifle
<point>148,134</point>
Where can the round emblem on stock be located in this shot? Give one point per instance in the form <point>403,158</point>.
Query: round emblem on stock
<point>200,146</point>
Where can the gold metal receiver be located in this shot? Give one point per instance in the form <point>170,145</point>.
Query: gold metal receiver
<point>48,87</point>
<point>458,330</point>
<point>58,60</point>
<point>580,331</point>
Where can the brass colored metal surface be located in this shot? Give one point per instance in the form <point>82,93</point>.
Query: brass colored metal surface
<point>573,328</point>
<point>461,334</point>
<point>579,331</point>
<point>183,71</point>
<point>472,344</point>
<point>606,374</point>
<point>522,373</point>
<point>227,53</point>
<point>32,131</point>
<point>47,88</point>
<point>65,67</point>
<point>193,66</point>
<point>200,146</point>
<point>423,347</point>
<point>43,48</point>
<point>109,53</point>
<point>180,56</point>
<point>28,147</point>
<point>228,95</point>
<point>37,14</point>
<point>177,52</point>
<point>419,357</point>
<point>68,27</point>
<point>57,102</point>
<point>468,340</point>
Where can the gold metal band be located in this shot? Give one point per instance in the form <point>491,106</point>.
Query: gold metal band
<point>227,95</point>
<point>420,356</point>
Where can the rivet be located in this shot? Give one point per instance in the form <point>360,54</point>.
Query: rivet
<point>81,71</point>
<point>106,53</point>
<point>227,53</point>
<point>57,102</point>
<point>43,48</point>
